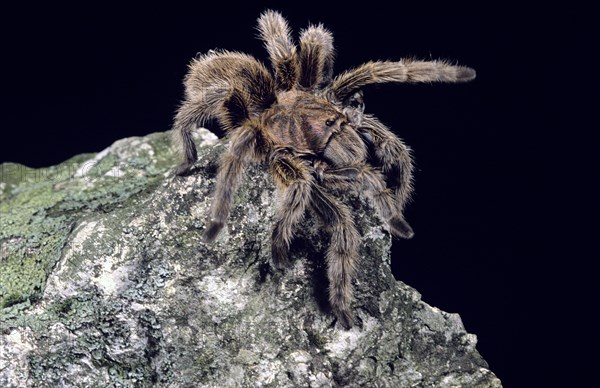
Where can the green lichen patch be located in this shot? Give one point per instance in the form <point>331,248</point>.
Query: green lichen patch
<point>39,207</point>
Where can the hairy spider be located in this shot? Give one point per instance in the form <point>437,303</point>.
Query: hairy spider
<point>311,130</point>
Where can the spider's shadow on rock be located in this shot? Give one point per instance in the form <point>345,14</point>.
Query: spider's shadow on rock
<point>304,247</point>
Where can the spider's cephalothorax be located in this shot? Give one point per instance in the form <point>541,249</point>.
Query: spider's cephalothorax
<point>311,130</point>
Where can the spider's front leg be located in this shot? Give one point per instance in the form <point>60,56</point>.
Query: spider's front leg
<point>342,254</point>
<point>246,146</point>
<point>295,181</point>
<point>299,189</point>
<point>373,183</point>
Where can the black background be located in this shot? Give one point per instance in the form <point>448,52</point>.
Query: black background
<point>499,212</point>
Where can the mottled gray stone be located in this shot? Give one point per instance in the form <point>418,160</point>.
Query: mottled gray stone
<point>106,282</point>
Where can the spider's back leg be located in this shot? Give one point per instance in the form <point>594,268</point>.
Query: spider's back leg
<point>342,254</point>
<point>186,119</point>
<point>247,145</point>
<point>300,191</point>
<point>223,85</point>
<point>296,183</point>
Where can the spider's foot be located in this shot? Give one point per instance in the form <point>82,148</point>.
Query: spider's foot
<point>345,318</point>
<point>400,228</point>
<point>320,168</point>
<point>212,231</point>
<point>280,257</point>
<point>183,169</point>
<point>464,74</point>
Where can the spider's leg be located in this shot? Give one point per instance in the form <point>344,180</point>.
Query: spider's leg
<point>296,182</point>
<point>193,112</point>
<point>394,157</point>
<point>190,113</point>
<point>275,32</point>
<point>227,70</point>
<point>374,185</point>
<point>316,56</point>
<point>403,71</point>
<point>246,146</point>
<point>223,85</point>
<point>342,254</point>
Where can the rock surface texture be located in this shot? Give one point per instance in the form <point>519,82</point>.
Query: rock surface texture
<point>104,281</point>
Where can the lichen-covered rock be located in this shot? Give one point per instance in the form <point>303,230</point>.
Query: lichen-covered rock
<point>104,281</point>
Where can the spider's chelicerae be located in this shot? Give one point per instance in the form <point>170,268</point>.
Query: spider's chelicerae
<point>311,130</point>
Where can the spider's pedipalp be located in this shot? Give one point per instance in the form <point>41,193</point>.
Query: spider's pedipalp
<point>342,255</point>
<point>274,31</point>
<point>403,71</point>
<point>345,148</point>
<point>296,183</point>
<point>316,56</point>
<point>246,146</point>
<point>394,156</point>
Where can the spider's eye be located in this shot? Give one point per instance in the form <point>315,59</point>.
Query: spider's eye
<point>330,122</point>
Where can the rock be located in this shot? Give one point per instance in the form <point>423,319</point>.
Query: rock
<point>104,281</point>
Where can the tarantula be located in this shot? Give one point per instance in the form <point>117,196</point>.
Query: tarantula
<point>311,130</point>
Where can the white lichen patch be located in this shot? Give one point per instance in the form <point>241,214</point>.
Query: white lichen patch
<point>86,166</point>
<point>206,137</point>
<point>147,148</point>
<point>189,184</point>
<point>84,369</point>
<point>221,297</point>
<point>247,357</point>
<point>199,209</point>
<point>267,371</point>
<point>170,286</point>
<point>320,379</point>
<point>299,364</point>
<point>252,215</point>
<point>344,341</point>
<point>375,234</point>
<point>60,337</point>
<point>113,276</point>
<point>80,265</point>
<point>71,272</point>
<point>139,222</point>
<point>115,172</point>
<point>450,324</point>
<point>266,199</point>
<point>136,341</point>
<point>14,349</point>
<point>129,147</point>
